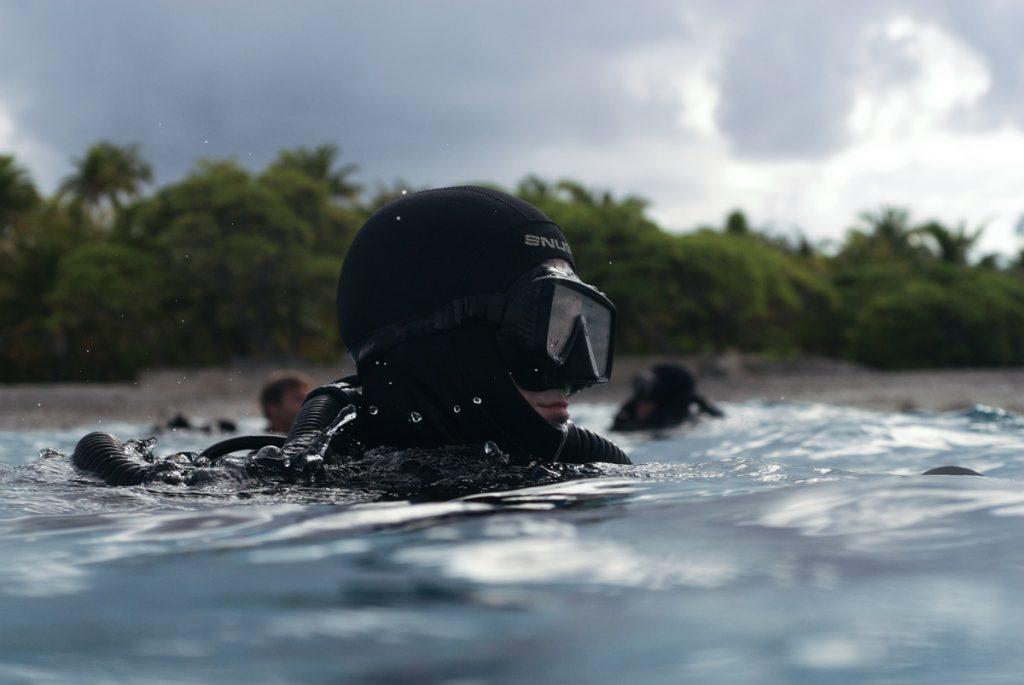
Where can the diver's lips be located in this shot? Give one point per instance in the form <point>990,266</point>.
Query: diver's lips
<point>554,404</point>
<point>557,410</point>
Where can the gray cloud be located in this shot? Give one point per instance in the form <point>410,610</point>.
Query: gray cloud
<point>994,31</point>
<point>787,77</point>
<point>422,90</point>
<point>444,91</point>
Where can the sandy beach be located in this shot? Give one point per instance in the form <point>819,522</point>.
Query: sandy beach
<point>232,391</point>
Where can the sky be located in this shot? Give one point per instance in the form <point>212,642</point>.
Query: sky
<point>803,114</point>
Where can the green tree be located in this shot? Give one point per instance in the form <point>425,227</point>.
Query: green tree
<point>320,163</point>
<point>29,262</point>
<point>18,195</point>
<point>885,234</point>
<point>109,311</point>
<point>736,223</point>
<point>949,317</point>
<point>309,197</point>
<point>105,178</point>
<point>952,244</point>
<point>243,265</point>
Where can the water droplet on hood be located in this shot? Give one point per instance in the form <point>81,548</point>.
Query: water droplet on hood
<point>477,400</point>
<point>373,410</point>
<point>415,417</point>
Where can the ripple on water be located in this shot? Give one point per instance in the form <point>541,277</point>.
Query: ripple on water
<point>785,543</point>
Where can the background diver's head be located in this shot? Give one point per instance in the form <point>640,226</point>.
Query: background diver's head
<point>468,323</point>
<point>665,384</point>
<point>281,399</point>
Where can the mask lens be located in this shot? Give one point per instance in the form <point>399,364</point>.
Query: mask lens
<point>567,305</point>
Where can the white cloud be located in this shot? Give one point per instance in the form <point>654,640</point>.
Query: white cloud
<point>903,149</point>
<point>44,164</point>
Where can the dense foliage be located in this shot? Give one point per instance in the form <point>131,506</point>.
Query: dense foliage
<point>104,279</point>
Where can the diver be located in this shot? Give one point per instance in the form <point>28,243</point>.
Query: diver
<point>468,324</point>
<point>281,399</point>
<point>469,327</point>
<point>663,397</point>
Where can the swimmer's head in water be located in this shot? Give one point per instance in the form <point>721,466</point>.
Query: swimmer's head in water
<point>281,399</point>
<point>446,301</point>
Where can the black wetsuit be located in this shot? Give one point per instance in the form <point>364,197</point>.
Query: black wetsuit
<point>673,392</point>
<point>329,445</point>
<point>663,416</point>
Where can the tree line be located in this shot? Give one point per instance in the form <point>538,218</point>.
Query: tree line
<point>108,276</point>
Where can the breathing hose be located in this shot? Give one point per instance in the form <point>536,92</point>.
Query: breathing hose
<point>583,447</point>
<point>242,442</point>
<point>104,455</point>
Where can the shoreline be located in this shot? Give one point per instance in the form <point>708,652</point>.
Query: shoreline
<point>232,391</point>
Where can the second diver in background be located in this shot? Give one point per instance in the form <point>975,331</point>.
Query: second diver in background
<point>663,397</point>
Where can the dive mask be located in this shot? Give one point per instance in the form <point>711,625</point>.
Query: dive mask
<point>554,331</point>
<point>557,332</point>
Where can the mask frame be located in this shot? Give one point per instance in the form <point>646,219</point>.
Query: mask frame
<point>578,355</point>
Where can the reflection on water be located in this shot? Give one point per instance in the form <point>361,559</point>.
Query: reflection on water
<point>785,543</point>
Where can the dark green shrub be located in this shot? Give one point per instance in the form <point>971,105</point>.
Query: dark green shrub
<point>951,319</point>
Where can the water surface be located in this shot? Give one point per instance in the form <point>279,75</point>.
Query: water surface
<point>785,543</point>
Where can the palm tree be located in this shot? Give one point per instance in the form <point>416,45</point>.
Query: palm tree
<point>17,193</point>
<point>577,192</point>
<point>319,163</point>
<point>883,234</point>
<point>953,243</point>
<point>108,173</point>
<point>890,230</point>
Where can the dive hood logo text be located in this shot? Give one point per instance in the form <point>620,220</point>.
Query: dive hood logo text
<point>541,241</point>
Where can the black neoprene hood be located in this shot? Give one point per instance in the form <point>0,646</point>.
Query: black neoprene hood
<point>423,251</point>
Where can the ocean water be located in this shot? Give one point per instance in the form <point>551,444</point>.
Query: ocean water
<point>784,543</point>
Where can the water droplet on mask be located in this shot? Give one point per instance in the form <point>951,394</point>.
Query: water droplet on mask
<point>477,400</point>
<point>415,417</point>
<point>405,192</point>
<point>398,218</point>
<point>373,410</point>
<point>455,409</point>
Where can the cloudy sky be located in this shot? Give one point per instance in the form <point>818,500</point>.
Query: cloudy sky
<point>802,113</point>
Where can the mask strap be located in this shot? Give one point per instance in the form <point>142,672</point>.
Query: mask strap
<point>489,307</point>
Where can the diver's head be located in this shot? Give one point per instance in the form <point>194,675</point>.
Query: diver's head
<point>467,321</point>
<point>665,383</point>
<point>663,386</point>
<point>281,399</point>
